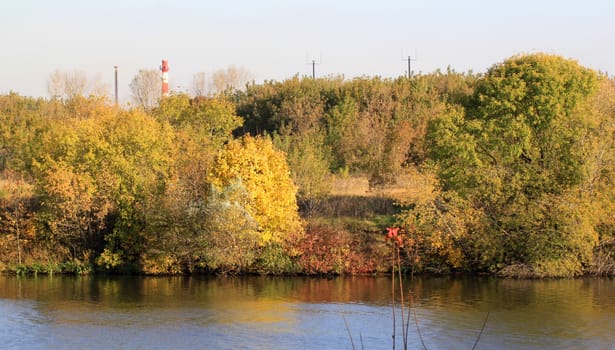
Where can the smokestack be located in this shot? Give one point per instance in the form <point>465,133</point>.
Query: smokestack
<point>165,77</point>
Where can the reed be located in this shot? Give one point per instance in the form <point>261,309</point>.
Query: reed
<point>396,238</point>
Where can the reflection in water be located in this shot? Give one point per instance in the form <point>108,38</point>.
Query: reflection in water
<point>281,313</point>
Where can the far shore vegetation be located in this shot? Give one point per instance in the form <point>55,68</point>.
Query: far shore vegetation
<point>509,172</point>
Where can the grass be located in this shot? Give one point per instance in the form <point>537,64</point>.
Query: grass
<point>349,223</point>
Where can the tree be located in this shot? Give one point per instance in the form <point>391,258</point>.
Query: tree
<point>271,198</point>
<point>519,156</point>
<point>100,174</point>
<point>263,171</point>
<point>200,84</point>
<point>600,182</point>
<point>135,175</point>
<point>21,124</point>
<point>308,160</point>
<point>209,120</point>
<point>16,203</point>
<point>230,236</point>
<point>371,125</point>
<point>233,78</point>
<point>146,88</point>
<point>73,212</point>
<point>68,85</point>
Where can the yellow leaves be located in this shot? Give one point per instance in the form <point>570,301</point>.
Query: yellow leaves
<point>208,121</point>
<point>14,188</point>
<point>68,188</point>
<point>445,228</point>
<point>172,108</point>
<point>567,265</point>
<point>443,244</point>
<point>109,259</point>
<point>264,172</point>
<point>436,241</point>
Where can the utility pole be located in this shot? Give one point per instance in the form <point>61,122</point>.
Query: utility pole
<point>314,63</point>
<point>115,68</point>
<point>313,69</point>
<point>409,59</point>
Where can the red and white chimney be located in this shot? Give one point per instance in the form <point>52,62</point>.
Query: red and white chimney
<point>165,77</point>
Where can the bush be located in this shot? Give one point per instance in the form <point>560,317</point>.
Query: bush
<point>271,199</point>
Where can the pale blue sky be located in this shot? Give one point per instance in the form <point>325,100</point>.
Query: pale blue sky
<point>272,38</point>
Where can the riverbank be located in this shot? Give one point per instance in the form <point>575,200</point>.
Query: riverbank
<point>344,235</point>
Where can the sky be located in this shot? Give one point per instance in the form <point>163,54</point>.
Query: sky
<point>277,39</point>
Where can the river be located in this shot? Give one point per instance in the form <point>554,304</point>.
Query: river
<point>98,312</point>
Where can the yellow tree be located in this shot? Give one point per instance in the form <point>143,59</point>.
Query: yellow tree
<point>271,199</point>
<point>265,174</point>
<point>16,225</point>
<point>177,240</point>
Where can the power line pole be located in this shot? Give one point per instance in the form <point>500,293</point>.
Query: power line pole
<point>409,59</point>
<point>313,69</point>
<point>314,63</point>
<point>115,68</point>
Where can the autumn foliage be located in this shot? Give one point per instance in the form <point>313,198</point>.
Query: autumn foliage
<point>508,172</point>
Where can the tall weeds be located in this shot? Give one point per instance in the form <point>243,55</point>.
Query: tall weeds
<point>396,238</point>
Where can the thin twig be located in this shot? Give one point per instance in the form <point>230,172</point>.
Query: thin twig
<point>361,339</point>
<point>410,299</point>
<point>393,297</point>
<point>401,301</point>
<point>481,331</point>
<point>409,312</point>
<point>418,330</point>
<point>349,334</point>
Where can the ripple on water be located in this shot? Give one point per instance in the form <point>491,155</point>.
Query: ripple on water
<point>20,323</point>
<point>296,313</point>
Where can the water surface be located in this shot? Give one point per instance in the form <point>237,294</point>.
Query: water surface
<point>94,312</point>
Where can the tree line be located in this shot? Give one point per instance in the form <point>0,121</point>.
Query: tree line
<point>521,158</point>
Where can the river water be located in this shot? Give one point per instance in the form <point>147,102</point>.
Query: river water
<point>94,312</point>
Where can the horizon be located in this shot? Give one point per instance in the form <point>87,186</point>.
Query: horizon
<point>276,40</point>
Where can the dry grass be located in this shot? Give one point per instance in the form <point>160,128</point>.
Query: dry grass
<point>13,187</point>
<point>350,186</point>
<point>352,206</point>
<point>409,186</point>
<point>353,197</point>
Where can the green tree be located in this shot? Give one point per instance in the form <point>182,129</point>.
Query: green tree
<point>177,230</point>
<point>22,121</point>
<point>100,173</point>
<point>210,121</point>
<point>342,135</point>
<point>140,171</point>
<point>519,155</point>
<point>308,159</point>
<point>230,236</point>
